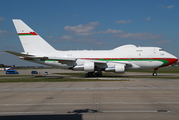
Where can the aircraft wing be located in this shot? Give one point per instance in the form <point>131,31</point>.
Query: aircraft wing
<point>74,59</point>
<point>63,59</point>
<point>126,63</point>
<point>104,62</point>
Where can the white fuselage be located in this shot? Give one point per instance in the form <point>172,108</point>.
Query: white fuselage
<point>139,57</point>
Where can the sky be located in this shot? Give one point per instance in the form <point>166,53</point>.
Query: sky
<point>90,24</point>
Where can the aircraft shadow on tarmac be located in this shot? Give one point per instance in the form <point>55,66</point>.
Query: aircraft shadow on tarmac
<point>85,111</point>
<point>74,115</point>
<point>43,117</point>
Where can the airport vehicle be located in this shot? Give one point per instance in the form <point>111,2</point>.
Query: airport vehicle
<point>118,60</point>
<point>11,72</point>
<point>34,72</point>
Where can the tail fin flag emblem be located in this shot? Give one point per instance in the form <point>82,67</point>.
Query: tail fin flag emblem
<point>31,33</point>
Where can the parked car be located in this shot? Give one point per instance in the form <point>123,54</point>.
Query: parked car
<point>11,72</point>
<point>46,73</point>
<point>34,72</point>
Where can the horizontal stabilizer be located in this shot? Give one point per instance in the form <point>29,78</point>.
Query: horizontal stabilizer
<point>26,55</point>
<point>41,57</point>
<point>18,54</point>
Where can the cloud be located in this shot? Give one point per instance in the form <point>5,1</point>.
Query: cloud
<point>86,39</point>
<point>66,37</point>
<point>122,22</point>
<point>82,40</point>
<point>5,33</point>
<point>168,7</point>
<point>139,36</point>
<point>164,41</point>
<point>171,6</point>
<point>88,29</point>
<point>82,29</point>
<point>111,31</point>
<point>1,18</point>
<point>148,19</point>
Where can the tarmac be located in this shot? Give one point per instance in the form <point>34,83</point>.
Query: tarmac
<point>135,99</point>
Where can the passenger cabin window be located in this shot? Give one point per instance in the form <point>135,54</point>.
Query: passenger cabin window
<point>161,50</point>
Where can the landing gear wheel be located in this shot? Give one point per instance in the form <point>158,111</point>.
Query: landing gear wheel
<point>155,72</point>
<point>86,75</point>
<point>97,74</point>
<point>89,74</point>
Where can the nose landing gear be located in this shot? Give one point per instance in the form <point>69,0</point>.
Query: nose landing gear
<point>155,72</point>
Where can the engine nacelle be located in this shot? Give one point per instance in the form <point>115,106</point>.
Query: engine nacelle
<point>120,68</point>
<point>89,66</point>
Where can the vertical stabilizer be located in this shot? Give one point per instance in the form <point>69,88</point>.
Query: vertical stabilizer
<point>31,41</point>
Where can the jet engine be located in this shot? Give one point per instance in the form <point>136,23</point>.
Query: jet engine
<point>118,68</point>
<point>89,66</point>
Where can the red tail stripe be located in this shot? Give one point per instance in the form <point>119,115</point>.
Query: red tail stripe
<point>31,33</point>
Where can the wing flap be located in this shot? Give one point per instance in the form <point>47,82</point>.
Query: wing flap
<point>61,59</point>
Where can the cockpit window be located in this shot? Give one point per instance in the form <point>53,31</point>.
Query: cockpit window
<point>161,50</point>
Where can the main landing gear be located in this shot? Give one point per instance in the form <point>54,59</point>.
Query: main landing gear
<point>93,74</point>
<point>155,72</point>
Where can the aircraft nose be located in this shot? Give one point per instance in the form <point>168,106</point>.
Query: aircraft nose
<point>173,60</point>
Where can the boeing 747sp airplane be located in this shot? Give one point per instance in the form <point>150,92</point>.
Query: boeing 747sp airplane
<point>118,60</point>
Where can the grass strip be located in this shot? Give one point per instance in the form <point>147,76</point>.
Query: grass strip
<point>51,80</point>
<point>16,75</point>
